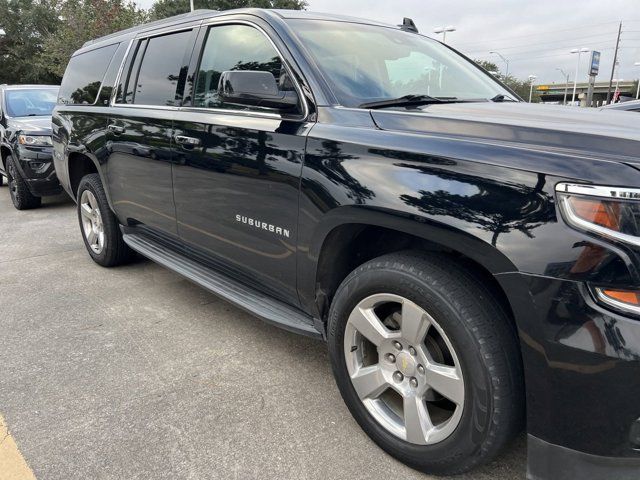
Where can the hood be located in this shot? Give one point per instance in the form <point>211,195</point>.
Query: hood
<point>601,132</point>
<point>31,125</point>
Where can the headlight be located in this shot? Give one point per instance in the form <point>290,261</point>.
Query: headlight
<point>35,140</point>
<point>611,212</point>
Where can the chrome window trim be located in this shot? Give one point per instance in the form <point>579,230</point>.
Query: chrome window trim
<point>599,191</point>
<point>119,75</point>
<point>569,215</point>
<point>612,302</point>
<point>252,113</point>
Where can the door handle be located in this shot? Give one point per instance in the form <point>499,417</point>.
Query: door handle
<point>117,129</point>
<point>187,142</point>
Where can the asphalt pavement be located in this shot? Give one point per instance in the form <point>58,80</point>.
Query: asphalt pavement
<point>136,373</point>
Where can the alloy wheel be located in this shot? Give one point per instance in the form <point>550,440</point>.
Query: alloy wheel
<point>404,369</point>
<point>92,225</point>
<point>11,180</point>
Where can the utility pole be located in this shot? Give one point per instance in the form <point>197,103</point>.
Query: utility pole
<point>191,5</point>
<point>613,68</point>
<point>531,79</point>
<point>566,85</point>
<point>579,51</point>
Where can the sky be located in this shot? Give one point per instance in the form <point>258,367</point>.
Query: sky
<point>536,36</point>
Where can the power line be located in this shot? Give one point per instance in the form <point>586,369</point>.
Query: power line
<point>540,33</point>
<point>578,39</point>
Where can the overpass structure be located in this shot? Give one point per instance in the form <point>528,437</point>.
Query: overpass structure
<point>555,92</point>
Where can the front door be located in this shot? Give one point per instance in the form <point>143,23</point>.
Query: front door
<point>139,132</point>
<point>236,174</point>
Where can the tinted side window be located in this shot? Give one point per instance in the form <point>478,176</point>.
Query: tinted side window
<point>161,68</point>
<point>84,74</point>
<point>235,47</point>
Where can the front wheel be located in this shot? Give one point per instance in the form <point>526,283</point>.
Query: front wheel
<point>427,362</point>
<point>21,196</point>
<point>99,226</point>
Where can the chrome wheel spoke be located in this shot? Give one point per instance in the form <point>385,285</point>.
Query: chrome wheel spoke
<point>369,382</point>
<point>92,237</point>
<point>369,325</point>
<point>395,353</point>
<point>446,381</point>
<point>414,323</point>
<point>86,211</point>
<point>417,422</point>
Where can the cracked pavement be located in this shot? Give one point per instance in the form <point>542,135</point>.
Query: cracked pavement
<point>136,373</point>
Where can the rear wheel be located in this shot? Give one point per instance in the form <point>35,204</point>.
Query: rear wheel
<point>21,196</point>
<point>426,361</point>
<point>99,226</point>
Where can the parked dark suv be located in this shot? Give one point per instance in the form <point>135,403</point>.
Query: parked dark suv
<point>468,257</point>
<point>25,143</point>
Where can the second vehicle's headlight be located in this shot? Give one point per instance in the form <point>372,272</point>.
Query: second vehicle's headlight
<point>35,140</point>
<point>612,212</point>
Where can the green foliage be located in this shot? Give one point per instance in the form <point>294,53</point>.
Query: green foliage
<point>27,24</point>
<point>488,66</point>
<point>41,35</point>
<point>83,20</point>
<point>521,87</point>
<point>167,8</point>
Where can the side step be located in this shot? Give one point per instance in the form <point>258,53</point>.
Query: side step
<point>272,311</point>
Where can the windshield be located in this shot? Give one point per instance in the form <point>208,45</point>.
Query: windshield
<point>367,63</point>
<point>26,102</point>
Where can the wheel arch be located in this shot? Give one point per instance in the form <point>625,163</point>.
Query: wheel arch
<point>357,235</point>
<point>82,164</point>
<point>5,152</point>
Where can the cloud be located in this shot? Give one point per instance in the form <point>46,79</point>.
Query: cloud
<point>536,36</point>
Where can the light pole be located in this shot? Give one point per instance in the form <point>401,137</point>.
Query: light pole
<point>191,5</point>
<point>531,79</point>
<point>566,85</point>
<point>506,75</point>
<point>637,64</point>
<point>443,31</point>
<point>579,51</point>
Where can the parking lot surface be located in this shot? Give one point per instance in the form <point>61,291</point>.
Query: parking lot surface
<point>135,373</point>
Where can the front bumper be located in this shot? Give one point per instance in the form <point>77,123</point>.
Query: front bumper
<point>548,461</point>
<point>582,372</point>
<point>37,169</point>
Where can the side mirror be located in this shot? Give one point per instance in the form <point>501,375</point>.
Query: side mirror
<point>255,88</point>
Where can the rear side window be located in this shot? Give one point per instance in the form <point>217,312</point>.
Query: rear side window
<point>84,74</point>
<point>235,47</point>
<point>160,70</point>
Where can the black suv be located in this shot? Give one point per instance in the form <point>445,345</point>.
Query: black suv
<point>25,143</point>
<point>472,261</point>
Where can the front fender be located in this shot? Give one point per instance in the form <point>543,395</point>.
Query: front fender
<point>504,218</point>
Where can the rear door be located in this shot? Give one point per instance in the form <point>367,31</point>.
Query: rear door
<point>140,129</point>
<point>237,169</point>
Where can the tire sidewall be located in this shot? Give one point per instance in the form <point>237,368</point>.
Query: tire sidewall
<point>88,183</point>
<point>467,439</point>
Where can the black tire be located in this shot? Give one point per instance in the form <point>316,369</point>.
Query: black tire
<point>483,337</point>
<point>115,252</point>
<point>21,196</point>
<point>1,179</point>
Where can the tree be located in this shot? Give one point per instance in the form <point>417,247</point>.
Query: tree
<point>521,87</point>
<point>83,20</point>
<point>167,8</point>
<point>487,65</point>
<point>27,23</point>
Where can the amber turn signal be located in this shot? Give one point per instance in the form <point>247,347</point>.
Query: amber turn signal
<point>601,212</point>
<point>621,299</point>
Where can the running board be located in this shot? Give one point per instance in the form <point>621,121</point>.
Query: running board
<point>272,311</point>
